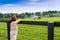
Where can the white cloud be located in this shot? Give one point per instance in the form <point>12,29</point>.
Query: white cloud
<point>34,0</point>
<point>18,9</point>
<point>33,6</point>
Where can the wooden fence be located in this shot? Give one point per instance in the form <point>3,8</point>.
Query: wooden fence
<point>50,25</point>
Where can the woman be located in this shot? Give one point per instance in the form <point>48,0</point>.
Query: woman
<point>14,28</point>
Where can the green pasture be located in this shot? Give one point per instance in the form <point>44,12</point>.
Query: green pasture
<point>31,32</point>
<point>51,19</point>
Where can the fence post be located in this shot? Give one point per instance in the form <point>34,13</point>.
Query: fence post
<point>50,30</point>
<point>8,30</point>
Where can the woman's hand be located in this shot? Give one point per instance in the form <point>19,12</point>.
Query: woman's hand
<point>18,20</point>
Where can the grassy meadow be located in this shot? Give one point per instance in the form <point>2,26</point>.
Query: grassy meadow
<point>32,32</point>
<point>49,19</point>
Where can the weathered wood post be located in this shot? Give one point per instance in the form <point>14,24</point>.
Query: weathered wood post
<point>50,30</point>
<point>8,29</point>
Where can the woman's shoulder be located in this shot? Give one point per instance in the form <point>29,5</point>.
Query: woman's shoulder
<point>16,21</point>
<point>13,22</point>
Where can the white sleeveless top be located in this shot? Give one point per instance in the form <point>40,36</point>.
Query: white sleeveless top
<point>13,31</point>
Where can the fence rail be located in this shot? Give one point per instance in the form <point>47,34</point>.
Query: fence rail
<point>50,25</point>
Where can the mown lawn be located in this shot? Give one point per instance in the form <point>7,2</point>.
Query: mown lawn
<point>26,32</point>
<point>49,19</point>
<point>52,19</point>
<point>3,31</point>
<point>31,32</point>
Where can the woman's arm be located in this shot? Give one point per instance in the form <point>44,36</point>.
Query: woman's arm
<point>17,20</point>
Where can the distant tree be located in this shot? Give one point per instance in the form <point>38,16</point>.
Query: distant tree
<point>44,13</point>
<point>1,15</point>
<point>22,15</point>
<point>38,13</point>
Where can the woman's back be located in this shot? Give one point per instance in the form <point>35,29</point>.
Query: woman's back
<point>13,25</point>
<point>13,30</point>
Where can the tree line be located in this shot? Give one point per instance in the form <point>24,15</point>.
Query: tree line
<point>28,14</point>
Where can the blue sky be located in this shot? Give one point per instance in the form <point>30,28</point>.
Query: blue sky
<point>19,6</point>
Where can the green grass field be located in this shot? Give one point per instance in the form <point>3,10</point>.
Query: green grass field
<point>31,32</point>
<point>52,19</point>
